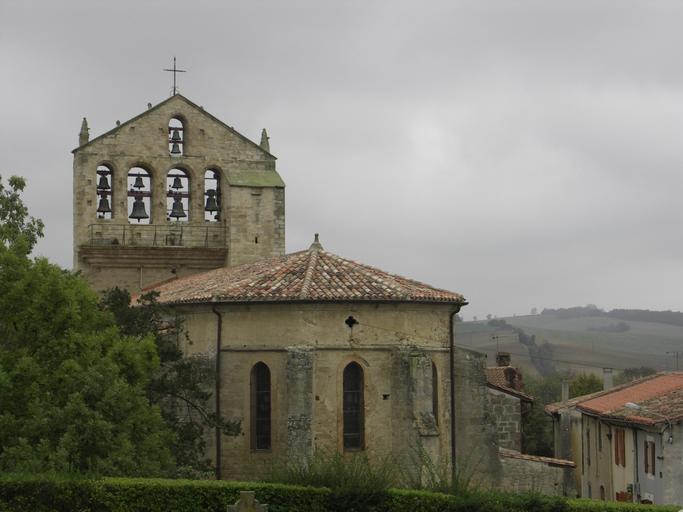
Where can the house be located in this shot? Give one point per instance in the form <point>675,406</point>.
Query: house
<point>509,403</point>
<point>627,441</point>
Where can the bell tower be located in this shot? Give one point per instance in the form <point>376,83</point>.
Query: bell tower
<point>172,192</point>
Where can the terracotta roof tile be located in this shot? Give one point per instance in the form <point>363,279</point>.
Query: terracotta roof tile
<point>660,398</point>
<point>312,275</point>
<point>495,377</point>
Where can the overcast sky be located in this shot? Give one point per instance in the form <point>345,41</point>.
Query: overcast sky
<point>523,153</point>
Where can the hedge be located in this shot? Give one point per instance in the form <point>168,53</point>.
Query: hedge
<point>45,494</point>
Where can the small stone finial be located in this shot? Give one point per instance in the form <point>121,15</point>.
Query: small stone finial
<point>316,245</point>
<point>247,503</point>
<point>149,105</point>
<point>265,144</point>
<point>84,134</point>
<point>118,123</point>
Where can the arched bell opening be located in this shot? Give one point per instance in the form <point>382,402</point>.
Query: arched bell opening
<point>104,192</point>
<point>177,195</point>
<point>212,195</point>
<point>176,137</point>
<point>139,196</point>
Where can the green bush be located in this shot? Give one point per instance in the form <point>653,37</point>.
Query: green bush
<point>50,494</point>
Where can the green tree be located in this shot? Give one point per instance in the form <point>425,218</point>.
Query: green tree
<point>19,232</point>
<point>584,384</point>
<point>631,374</point>
<point>72,387</point>
<point>538,426</point>
<point>182,386</point>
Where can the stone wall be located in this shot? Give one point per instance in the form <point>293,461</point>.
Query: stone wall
<point>252,226</point>
<point>307,347</point>
<point>507,410</point>
<point>529,473</point>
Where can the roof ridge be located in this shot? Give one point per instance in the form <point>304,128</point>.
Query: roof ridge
<point>308,276</point>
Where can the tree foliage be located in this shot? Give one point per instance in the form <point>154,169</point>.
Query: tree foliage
<point>19,232</point>
<point>72,386</point>
<point>182,385</point>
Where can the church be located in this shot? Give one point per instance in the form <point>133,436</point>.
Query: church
<point>314,351</point>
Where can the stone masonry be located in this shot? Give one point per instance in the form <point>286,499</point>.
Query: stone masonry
<point>115,251</point>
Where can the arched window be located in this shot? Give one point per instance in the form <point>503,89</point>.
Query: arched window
<point>139,196</point>
<point>178,195</point>
<point>353,407</point>
<point>176,137</point>
<point>212,191</point>
<point>104,192</point>
<point>260,407</point>
<point>435,393</point>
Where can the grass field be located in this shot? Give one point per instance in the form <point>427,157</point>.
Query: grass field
<point>576,346</point>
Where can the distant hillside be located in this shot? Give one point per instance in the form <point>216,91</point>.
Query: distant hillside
<point>583,339</point>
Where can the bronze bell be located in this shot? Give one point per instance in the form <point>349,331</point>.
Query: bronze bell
<point>211,202</point>
<point>139,183</point>
<point>176,136</point>
<point>139,211</point>
<point>103,184</point>
<point>175,149</point>
<point>177,183</point>
<point>103,206</point>
<point>177,211</point>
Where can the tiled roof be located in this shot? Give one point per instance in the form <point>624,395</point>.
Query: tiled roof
<point>512,454</point>
<point>659,398</point>
<point>312,275</point>
<point>496,378</point>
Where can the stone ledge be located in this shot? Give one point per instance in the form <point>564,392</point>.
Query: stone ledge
<point>163,257</point>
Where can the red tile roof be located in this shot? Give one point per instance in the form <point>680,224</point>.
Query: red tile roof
<point>312,275</point>
<point>496,378</point>
<point>660,398</point>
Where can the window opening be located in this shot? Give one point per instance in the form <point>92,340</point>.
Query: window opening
<point>212,191</point>
<point>139,195</point>
<point>104,192</point>
<point>435,393</point>
<point>176,137</point>
<point>353,405</point>
<point>260,407</point>
<point>649,457</point>
<point>620,447</point>
<point>178,195</point>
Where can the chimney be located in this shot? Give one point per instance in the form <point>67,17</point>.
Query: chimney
<point>502,358</point>
<point>607,381</point>
<point>565,390</point>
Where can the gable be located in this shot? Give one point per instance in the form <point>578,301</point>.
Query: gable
<point>149,131</point>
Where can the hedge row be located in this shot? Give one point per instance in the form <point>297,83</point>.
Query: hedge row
<point>40,494</point>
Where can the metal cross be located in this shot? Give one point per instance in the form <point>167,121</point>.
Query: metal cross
<point>174,71</point>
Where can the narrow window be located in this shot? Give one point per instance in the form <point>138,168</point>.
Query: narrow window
<point>260,407</point>
<point>620,447</point>
<point>602,492</point>
<point>139,195</point>
<point>177,195</point>
<point>212,191</point>
<point>649,457</point>
<point>353,407</point>
<point>104,192</point>
<point>176,137</point>
<point>435,393</point>
<point>588,447</point>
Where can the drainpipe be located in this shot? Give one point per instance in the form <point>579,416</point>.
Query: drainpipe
<point>217,391</point>
<point>451,348</point>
